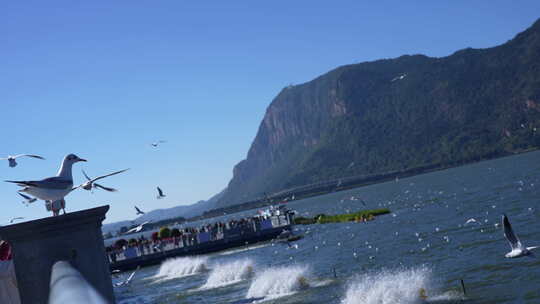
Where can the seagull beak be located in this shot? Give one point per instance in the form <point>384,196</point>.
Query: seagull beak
<point>82,159</point>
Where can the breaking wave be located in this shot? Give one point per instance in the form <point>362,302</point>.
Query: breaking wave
<point>405,286</point>
<point>229,273</point>
<point>278,282</point>
<point>181,267</point>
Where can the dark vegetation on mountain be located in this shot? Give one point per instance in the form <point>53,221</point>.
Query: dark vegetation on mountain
<point>394,115</point>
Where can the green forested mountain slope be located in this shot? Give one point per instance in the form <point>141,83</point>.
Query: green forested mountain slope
<point>397,114</point>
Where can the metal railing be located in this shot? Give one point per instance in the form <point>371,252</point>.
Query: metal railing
<point>68,286</point>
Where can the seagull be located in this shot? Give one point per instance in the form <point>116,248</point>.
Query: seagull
<point>52,188</point>
<point>471,220</point>
<point>13,163</point>
<point>27,199</point>
<point>137,229</point>
<point>138,210</point>
<point>160,193</point>
<point>398,77</point>
<point>155,144</point>
<point>518,250</point>
<point>15,218</point>
<point>91,182</point>
<point>115,273</point>
<point>128,280</point>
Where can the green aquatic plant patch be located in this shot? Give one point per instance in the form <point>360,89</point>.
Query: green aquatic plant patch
<point>364,215</point>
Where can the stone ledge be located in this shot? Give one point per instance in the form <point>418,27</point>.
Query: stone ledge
<point>66,222</point>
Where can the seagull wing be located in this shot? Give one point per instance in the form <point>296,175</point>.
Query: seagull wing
<point>48,183</point>
<point>29,155</point>
<point>139,210</point>
<point>160,192</point>
<point>105,188</point>
<point>114,173</point>
<point>509,233</point>
<point>86,175</point>
<point>131,276</point>
<point>16,218</point>
<point>26,197</point>
<point>131,230</point>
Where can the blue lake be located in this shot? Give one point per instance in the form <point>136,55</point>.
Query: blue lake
<point>417,254</point>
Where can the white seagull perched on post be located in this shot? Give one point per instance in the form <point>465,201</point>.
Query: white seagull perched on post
<point>13,163</point>
<point>91,183</point>
<point>52,188</point>
<point>518,250</point>
<point>160,193</point>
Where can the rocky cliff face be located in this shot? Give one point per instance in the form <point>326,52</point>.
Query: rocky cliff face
<point>396,114</point>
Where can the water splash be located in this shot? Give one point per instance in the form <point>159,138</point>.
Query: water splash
<point>247,248</point>
<point>229,273</point>
<point>181,267</point>
<point>278,282</point>
<point>404,286</point>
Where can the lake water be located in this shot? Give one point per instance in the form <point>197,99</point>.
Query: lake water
<point>424,244</point>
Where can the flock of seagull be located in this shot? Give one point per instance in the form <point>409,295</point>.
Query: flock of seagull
<point>55,188</point>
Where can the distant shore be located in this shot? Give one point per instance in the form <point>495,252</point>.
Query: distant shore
<point>347,183</point>
<point>327,187</point>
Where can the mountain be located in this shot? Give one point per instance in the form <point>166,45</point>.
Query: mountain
<point>396,114</point>
<point>168,213</point>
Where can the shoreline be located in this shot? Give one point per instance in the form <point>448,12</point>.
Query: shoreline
<point>303,192</point>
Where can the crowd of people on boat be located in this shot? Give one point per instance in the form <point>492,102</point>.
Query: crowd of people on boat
<point>189,236</point>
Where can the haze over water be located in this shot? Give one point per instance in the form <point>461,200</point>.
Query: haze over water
<point>423,244</point>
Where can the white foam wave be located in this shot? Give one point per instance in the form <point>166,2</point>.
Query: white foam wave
<point>181,267</point>
<point>405,286</point>
<point>229,273</point>
<point>278,282</point>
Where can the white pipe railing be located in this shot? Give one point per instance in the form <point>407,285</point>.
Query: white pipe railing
<point>68,286</point>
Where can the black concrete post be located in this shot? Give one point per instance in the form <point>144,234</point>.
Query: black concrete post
<point>74,237</point>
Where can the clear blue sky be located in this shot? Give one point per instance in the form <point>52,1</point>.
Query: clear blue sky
<point>103,79</point>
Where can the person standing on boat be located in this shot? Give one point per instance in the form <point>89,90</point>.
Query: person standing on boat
<point>9,292</point>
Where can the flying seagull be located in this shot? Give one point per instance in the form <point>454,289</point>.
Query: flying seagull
<point>128,280</point>
<point>13,163</point>
<point>518,250</point>
<point>471,220</point>
<point>27,199</point>
<point>160,193</point>
<point>91,182</point>
<point>115,273</point>
<point>398,77</point>
<point>137,229</point>
<point>155,144</point>
<point>15,218</point>
<point>138,210</point>
<point>52,188</point>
